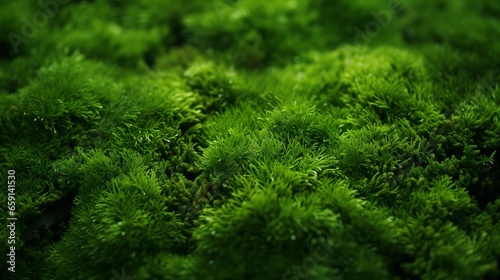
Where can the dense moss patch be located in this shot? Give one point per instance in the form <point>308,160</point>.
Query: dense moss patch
<point>251,139</point>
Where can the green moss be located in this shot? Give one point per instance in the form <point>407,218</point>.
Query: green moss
<point>252,139</point>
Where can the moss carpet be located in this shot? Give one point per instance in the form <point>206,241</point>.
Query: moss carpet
<point>250,139</point>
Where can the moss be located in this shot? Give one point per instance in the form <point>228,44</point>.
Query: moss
<point>252,139</point>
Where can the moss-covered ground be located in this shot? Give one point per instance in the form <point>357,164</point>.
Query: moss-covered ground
<point>250,139</point>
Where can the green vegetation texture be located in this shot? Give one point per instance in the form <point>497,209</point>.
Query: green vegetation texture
<point>251,139</point>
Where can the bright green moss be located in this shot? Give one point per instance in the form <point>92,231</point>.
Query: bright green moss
<point>252,139</point>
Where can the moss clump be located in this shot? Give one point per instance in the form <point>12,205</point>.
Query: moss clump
<point>252,139</point>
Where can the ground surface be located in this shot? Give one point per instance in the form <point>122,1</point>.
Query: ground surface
<point>251,139</point>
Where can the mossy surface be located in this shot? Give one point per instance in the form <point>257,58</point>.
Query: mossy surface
<point>250,139</point>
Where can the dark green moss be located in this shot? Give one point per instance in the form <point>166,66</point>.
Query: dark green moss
<point>252,139</point>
